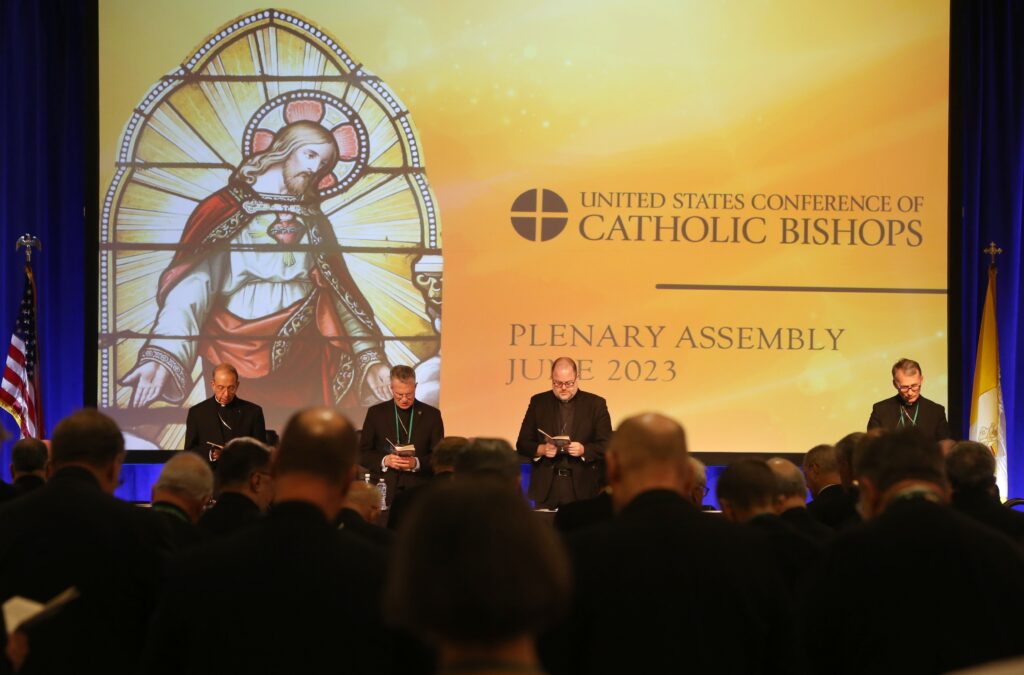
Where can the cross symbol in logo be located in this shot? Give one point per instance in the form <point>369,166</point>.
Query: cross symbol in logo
<point>539,221</point>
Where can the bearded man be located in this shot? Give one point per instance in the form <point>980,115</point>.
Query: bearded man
<point>258,281</point>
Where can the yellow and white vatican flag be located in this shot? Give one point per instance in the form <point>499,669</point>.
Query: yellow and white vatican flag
<point>988,421</point>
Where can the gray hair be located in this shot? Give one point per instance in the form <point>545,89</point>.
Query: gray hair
<point>970,464</point>
<point>186,475</point>
<point>823,456</point>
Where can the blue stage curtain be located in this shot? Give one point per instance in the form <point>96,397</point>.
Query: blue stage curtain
<point>44,107</point>
<point>990,37</point>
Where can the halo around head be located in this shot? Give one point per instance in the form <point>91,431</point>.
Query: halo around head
<point>332,114</point>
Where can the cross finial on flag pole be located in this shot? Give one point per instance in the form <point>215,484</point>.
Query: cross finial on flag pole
<point>29,242</point>
<point>992,251</point>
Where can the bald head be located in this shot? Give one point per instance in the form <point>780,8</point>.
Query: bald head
<point>320,443</point>
<point>647,452</point>
<point>790,484</point>
<point>651,438</point>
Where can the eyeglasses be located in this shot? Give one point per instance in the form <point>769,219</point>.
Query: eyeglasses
<point>904,388</point>
<point>403,396</point>
<point>564,385</point>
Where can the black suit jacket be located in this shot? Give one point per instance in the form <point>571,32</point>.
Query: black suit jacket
<point>350,520</point>
<point>183,532</point>
<point>584,513</point>
<point>22,486</point>
<point>379,427</point>
<point>986,508</point>
<point>291,594</point>
<point>792,550</point>
<point>663,584</point>
<point>233,511</point>
<point>591,426</point>
<point>406,500</point>
<point>70,533</point>
<point>931,417</point>
<point>920,589</point>
<point>203,424</point>
<point>801,519</point>
<point>835,507</point>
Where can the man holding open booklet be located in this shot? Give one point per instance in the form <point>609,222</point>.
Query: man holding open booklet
<point>398,436</point>
<point>564,434</point>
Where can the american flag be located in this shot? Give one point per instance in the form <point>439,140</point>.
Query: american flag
<point>20,393</point>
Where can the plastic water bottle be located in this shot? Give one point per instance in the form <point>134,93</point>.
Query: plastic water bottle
<point>366,479</point>
<point>383,489</point>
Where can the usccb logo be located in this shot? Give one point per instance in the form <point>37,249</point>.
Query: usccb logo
<point>539,215</point>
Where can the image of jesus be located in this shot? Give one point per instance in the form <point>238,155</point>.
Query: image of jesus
<point>258,282</point>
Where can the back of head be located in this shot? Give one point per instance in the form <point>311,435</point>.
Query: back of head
<point>188,476</point>
<point>824,457</point>
<point>700,472</point>
<point>29,455</point>
<point>971,466</point>
<point>317,442</point>
<point>239,459</point>
<point>747,484</point>
<point>488,457</point>
<point>363,498</point>
<point>900,456</point>
<point>845,447</point>
<point>789,480</point>
<point>86,437</point>
<point>648,439</point>
<point>446,451</point>
<point>473,566</point>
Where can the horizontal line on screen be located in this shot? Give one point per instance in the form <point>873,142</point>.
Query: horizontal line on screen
<point>138,164</point>
<point>801,289</point>
<point>398,248</point>
<point>110,339</point>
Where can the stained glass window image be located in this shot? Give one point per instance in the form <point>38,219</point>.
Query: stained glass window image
<point>269,209</point>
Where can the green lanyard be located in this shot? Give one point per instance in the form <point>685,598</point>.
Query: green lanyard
<point>904,413</point>
<point>412,418</point>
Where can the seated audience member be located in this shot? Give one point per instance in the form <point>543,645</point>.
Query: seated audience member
<point>290,593</point>
<point>924,588</point>
<point>488,458</point>
<point>360,513</point>
<point>245,487</point>
<point>700,483</point>
<point>584,513</point>
<point>73,532</point>
<point>662,584</point>
<point>829,472</point>
<point>180,494</point>
<point>442,461</point>
<point>478,576</point>
<point>747,492</point>
<point>28,467</point>
<point>791,499</point>
<point>971,468</point>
